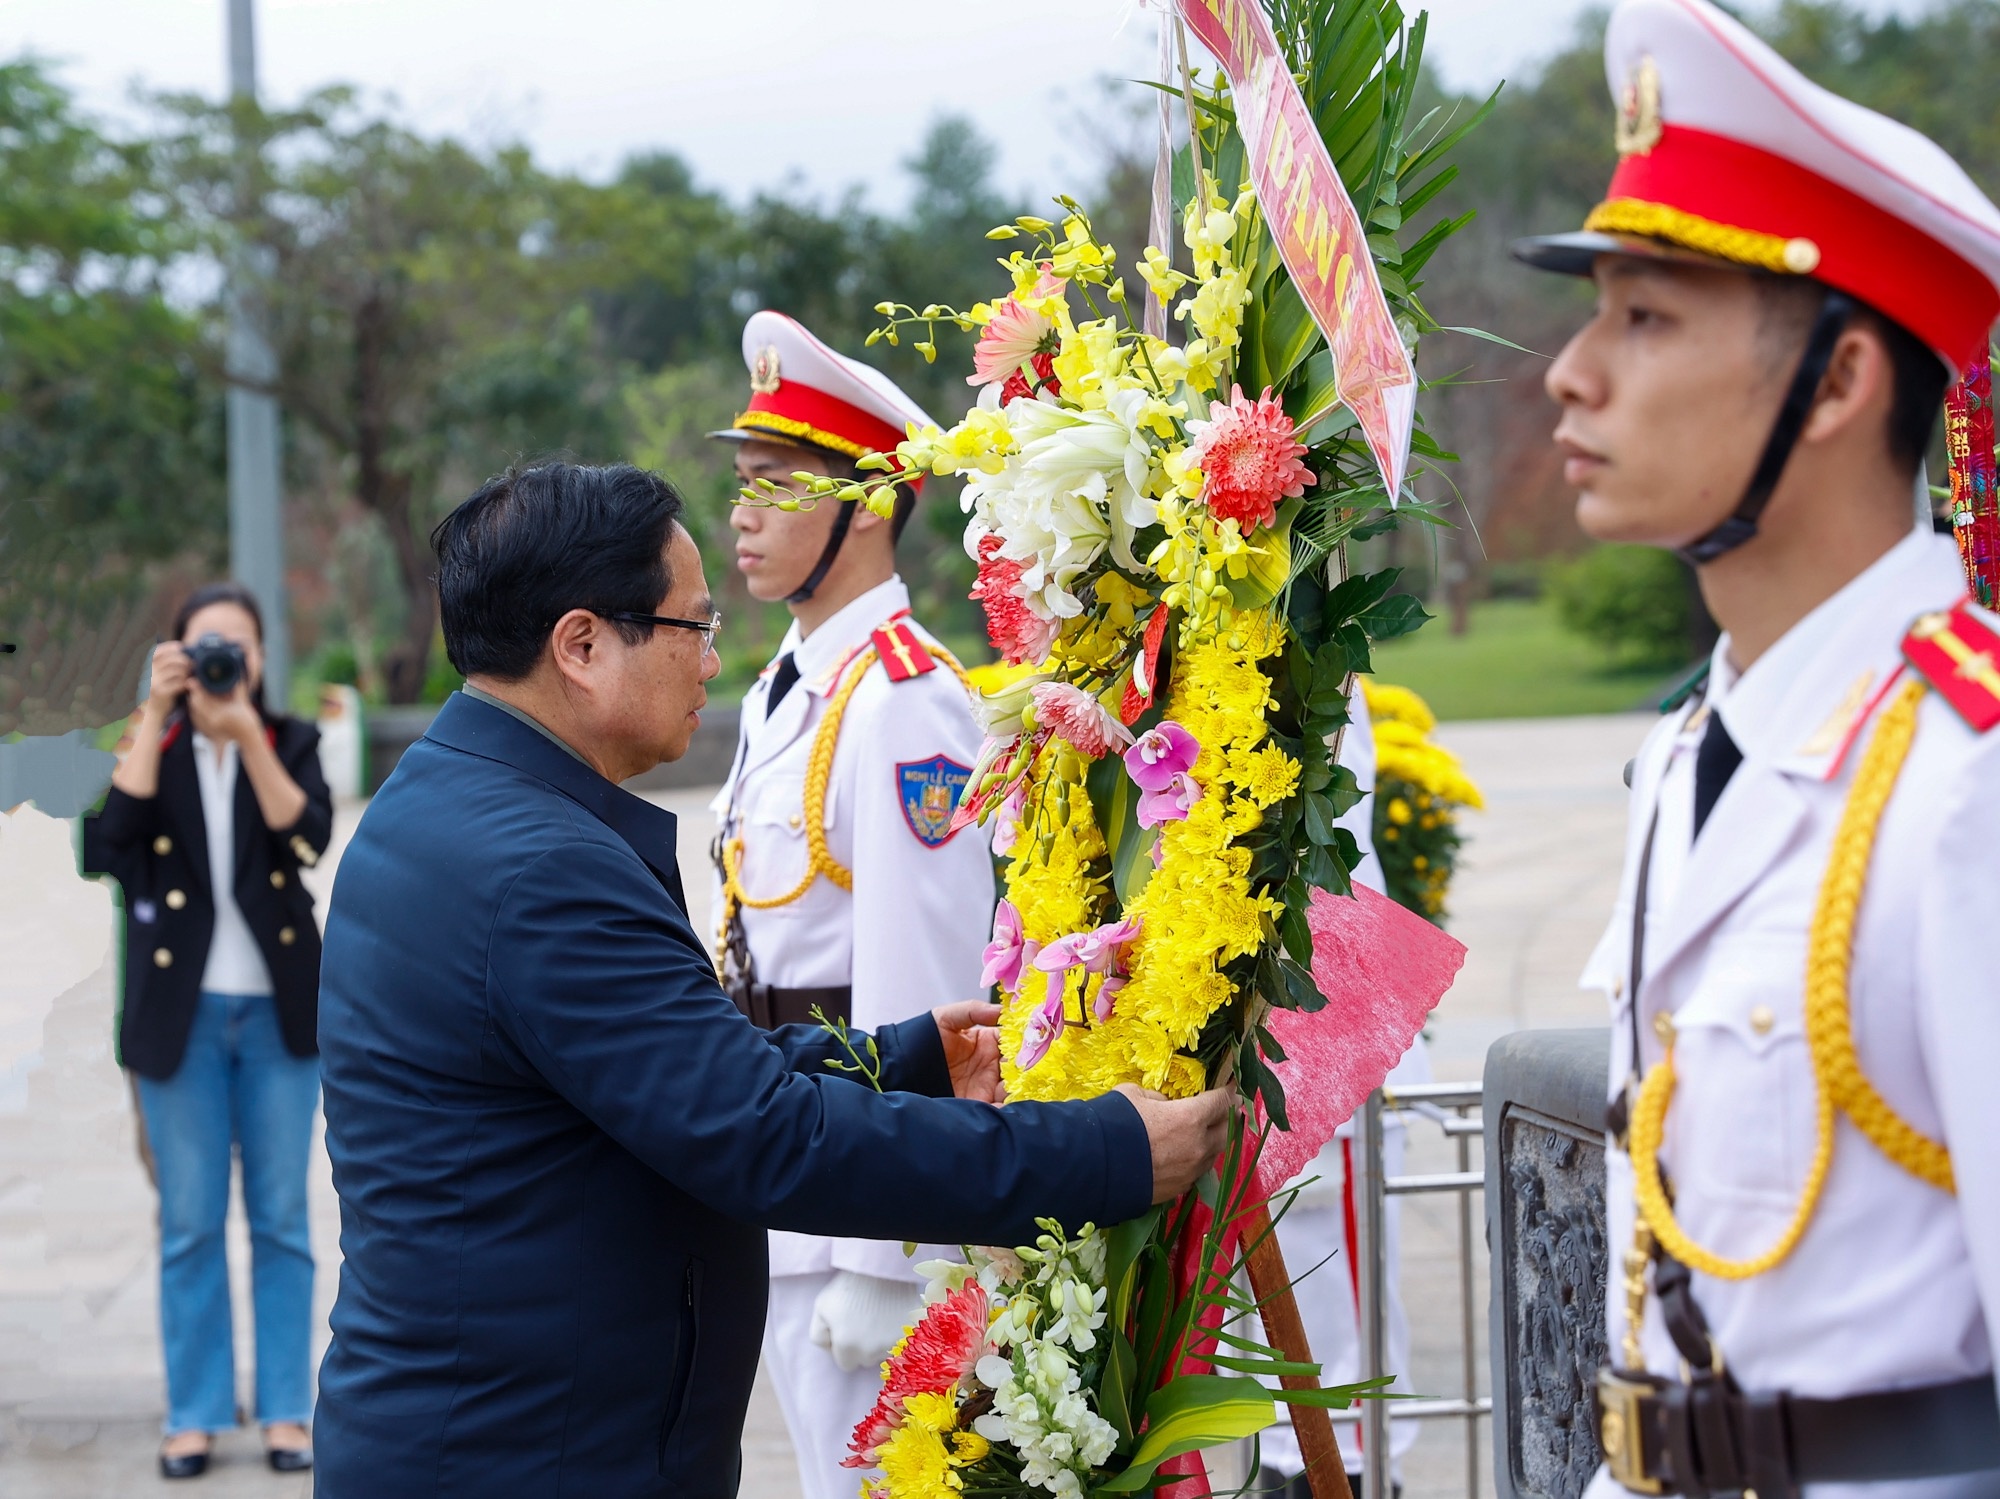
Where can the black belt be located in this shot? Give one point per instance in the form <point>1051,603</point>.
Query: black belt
<point>1707,1437</point>
<point>770,1007</point>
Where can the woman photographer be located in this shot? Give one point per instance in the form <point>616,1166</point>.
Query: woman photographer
<point>209,819</point>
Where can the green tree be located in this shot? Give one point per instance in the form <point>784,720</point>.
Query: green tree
<point>110,438</point>
<point>426,308</point>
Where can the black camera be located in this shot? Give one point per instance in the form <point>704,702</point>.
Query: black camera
<point>216,664</point>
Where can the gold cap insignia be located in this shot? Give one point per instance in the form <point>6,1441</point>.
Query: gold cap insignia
<point>764,370</point>
<point>1639,110</point>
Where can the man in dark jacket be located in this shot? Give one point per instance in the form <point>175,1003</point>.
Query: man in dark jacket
<point>556,1142</point>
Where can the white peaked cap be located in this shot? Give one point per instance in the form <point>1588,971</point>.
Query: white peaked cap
<point>804,393</point>
<point>1728,151</point>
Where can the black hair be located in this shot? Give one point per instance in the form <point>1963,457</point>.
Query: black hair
<point>534,543</point>
<point>224,593</point>
<point>1918,377</point>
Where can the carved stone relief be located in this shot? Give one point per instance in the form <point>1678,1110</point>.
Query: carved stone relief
<point>1552,1275</point>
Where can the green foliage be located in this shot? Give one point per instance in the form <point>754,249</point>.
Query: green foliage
<point>441,310</point>
<point>1634,602</point>
<point>1516,661</point>
<point>338,665</point>
<point>110,440</point>
<point>425,301</point>
<point>1417,840</point>
<point>441,678</point>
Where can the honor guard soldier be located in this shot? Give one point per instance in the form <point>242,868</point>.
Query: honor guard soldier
<point>1803,1183</point>
<point>843,889</point>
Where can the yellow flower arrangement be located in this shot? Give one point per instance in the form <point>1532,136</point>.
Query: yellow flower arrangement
<point>921,1459</point>
<point>1196,913</point>
<point>1419,787</point>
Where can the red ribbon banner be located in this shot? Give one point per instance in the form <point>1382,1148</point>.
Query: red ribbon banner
<point>1318,233</point>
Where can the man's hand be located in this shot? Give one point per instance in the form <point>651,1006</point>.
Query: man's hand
<point>972,1049</point>
<point>1186,1134</point>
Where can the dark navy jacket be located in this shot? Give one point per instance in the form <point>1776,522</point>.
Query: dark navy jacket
<point>557,1144</point>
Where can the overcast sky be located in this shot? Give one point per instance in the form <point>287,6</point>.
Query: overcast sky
<point>747,90</point>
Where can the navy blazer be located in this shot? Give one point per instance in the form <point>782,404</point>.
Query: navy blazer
<point>557,1144</point>
<point>156,847</point>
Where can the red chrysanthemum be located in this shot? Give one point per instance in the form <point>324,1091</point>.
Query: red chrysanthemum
<point>1017,632</point>
<point>1249,460</point>
<point>1018,384</point>
<point>938,1353</point>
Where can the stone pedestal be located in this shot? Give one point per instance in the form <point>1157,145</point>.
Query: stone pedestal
<point>1544,1113</point>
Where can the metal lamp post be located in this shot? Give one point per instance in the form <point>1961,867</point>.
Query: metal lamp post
<point>256,514</point>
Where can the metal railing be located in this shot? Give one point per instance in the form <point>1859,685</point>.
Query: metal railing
<point>1454,1108</point>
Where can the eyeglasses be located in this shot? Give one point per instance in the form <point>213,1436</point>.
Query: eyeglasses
<point>704,628</point>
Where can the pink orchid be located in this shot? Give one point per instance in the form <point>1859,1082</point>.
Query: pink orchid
<point>1042,1028</point>
<point>1171,803</point>
<point>1007,824</point>
<point>1095,951</point>
<point>1007,953</point>
<point>1074,715</point>
<point>1107,996</point>
<point>1160,754</point>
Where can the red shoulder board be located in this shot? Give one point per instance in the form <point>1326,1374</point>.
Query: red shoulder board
<point>1960,658</point>
<point>903,654</point>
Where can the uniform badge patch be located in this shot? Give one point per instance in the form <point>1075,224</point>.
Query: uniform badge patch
<point>929,791</point>
<point>902,654</point>
<point>1960,658</point>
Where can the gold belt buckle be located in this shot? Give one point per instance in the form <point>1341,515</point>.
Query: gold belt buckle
<point>1621,1431</point>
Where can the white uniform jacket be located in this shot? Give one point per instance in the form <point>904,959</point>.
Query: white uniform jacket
<point>911,935</point>
<point>1894,1282</point>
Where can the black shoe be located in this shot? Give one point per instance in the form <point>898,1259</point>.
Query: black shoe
<point>185,1465</point>
<point>289,1459</point>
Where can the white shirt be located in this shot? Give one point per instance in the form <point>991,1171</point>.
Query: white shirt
<point>912,934</point>
<point>1890,1285</point>
<point>235,965</point>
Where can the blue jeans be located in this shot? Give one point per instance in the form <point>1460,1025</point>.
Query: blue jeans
<point>236,1085</point>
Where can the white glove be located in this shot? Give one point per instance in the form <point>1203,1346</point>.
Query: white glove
<point>858,1318</point>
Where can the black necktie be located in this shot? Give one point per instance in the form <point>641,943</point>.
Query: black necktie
<point>1714,763</point>
<point>781,683</point>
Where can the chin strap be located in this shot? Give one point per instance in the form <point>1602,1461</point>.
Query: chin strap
<point>842,519</point>
<point>1742,524</point>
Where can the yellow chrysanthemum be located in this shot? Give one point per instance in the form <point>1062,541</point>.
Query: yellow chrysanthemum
<point>1267,776</point>
<point>1389,702</point>
<point>1196,910</point>
<point>915,1464</point>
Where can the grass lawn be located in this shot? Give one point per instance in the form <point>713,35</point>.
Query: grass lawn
<point>1515,661</point>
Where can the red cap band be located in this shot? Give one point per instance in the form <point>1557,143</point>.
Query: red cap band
<point>1886,261</point>
<point>799,411</point>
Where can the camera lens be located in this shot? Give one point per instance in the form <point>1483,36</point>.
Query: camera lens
<point>217,664</point>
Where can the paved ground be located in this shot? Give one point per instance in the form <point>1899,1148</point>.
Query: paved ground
<point>79,1381</point>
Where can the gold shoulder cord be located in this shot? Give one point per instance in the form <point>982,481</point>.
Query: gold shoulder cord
<point>1840,1083</point>
<point>819,771</point>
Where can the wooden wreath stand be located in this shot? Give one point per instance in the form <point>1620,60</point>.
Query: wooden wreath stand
<point>1271,1284</point>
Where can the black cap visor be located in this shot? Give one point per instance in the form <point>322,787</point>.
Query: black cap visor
<point>777,440</point>
<point>1575,254</point>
